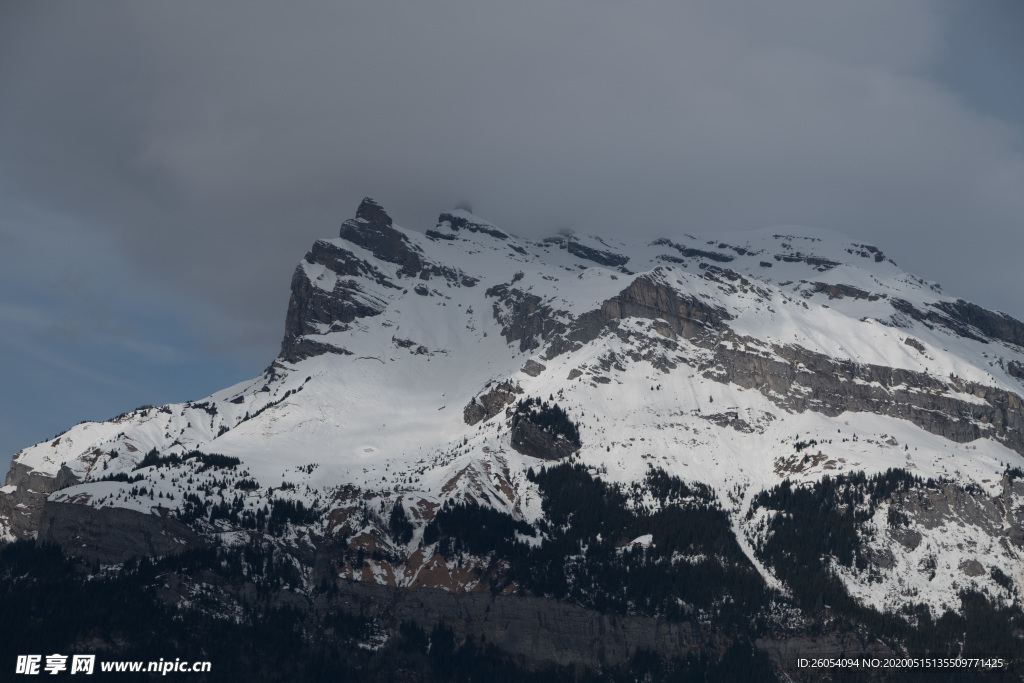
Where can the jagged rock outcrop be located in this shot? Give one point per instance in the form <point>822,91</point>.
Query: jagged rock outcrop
<point>318,307</point>
<point>990,323</point>
<point>354,288</point>
<point>841,291</point>
<point>866,251</point>
<point>490,403</point>
<point>457,223</point>
<point>21,506</point>
<point>533,368</point>
<point>598,256</point>
<point>964,319</point>
<point>830,386</point>
<point>314,310</point>
<point>819,264</point>
<point>535,441</point>
<point>373,214</point>
<point>914,344</point>
<point>302,348</point>
<point>371,229</point>
<point>692,252</point>
<point>524,317</point>
<point>646,297</point>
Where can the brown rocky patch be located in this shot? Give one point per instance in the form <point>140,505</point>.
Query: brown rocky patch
<point>972,568</point>
<point>795,464</point>
<point>914,344</point>
<point>533,368</point>
<point>487,405</point>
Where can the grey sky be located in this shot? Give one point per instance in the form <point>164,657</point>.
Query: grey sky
<point>163,166</point>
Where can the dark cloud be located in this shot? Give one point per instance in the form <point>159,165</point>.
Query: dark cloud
<point>212,142</point>
<point>982,56</point>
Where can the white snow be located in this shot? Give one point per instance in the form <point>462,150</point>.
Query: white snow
<point>389,420</point>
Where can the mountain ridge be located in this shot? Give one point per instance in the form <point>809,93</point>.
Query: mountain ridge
<point>741,365</point>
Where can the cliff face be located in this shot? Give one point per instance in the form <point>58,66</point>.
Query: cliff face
<point>393,411</point>
<point>114,535</point>
<point>24,496</point>
<point>537,442</point>
<point>539,631</point>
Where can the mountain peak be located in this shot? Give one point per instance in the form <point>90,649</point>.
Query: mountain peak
<point>373,213</point>
<point>413,374</point>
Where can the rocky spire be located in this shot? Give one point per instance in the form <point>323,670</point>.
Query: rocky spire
<point>371,229</point>
<point>373,213</point>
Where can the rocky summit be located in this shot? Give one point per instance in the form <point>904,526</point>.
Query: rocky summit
<point>580,448</point>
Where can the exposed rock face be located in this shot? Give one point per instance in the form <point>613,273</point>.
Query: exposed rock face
<point>601,257</point>
<point>691,252</point>
<point>972,568</point>
<point>840,291</point>
<point>820,264</point>
<point>792,377</point>
<point>22,508</point>
<point>826,385</point>
<point>455,278</point>
<point>965,529</point>
<point>344,262</point>
<point>113,535</point>
<point>373,214</point>
<point>932,317</point>
<point>437,235</point>
<point>487,405</point>
<point>541,631</point>
<point>300,349</point>
<point>646,297</point>
<point>358,290</point>
<point>908,538</point>
<point>371,229</point>
<point>527,319</point>
<point>991,324</point>
<point>313,310</point>
<point>730,419</point>
<point>524,317</point>
<point>530,439</point>
<point>914,344</point>
<point>831,386</point>
<point>462,223</point>
<point>867,251</point>
<point>882,558</point>
<point>311,306</point>
<point>533,368</point>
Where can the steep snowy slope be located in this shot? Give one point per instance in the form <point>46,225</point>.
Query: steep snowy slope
<point>735,364</point>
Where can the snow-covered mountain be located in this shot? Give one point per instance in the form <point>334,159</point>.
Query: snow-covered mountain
<point>405,370</point>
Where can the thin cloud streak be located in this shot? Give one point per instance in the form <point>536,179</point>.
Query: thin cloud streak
<point>59,362</point>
